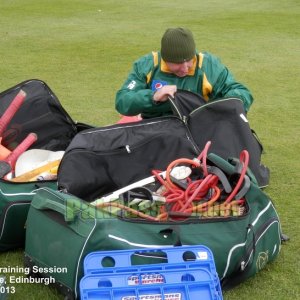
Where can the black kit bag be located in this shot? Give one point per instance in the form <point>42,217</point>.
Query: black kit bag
<point>43,114</point>
<point>101,160</point>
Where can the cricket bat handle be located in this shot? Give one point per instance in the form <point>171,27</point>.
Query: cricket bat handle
<point>22,147</point>
<point>11,110</point>
<point>28,176</point>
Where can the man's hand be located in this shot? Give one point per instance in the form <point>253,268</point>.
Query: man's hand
<point>162,94</point>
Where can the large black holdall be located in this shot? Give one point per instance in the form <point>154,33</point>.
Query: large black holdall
<point>100,160</point>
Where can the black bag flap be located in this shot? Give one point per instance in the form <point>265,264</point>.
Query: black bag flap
<point>225,124</point>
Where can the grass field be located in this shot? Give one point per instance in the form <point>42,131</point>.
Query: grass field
<point>84,50</point>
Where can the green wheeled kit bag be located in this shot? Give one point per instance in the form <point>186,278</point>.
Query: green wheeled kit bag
<point>40,113</point>
<point>62,228</point>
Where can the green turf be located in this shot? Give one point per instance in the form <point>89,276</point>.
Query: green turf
<point>84,50</point>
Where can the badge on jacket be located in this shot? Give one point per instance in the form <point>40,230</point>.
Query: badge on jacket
<point>157,84</point>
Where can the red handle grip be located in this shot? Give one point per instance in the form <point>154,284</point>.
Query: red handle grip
<point>22,147</point>
<point>11,110</point>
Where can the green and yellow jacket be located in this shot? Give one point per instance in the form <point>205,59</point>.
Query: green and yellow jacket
<point>208,77</point>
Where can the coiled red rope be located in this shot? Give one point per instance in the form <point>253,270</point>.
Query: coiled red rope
<point>198,196</point>
<point>183,201</point>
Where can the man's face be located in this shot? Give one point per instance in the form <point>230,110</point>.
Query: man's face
<point>182,69</point>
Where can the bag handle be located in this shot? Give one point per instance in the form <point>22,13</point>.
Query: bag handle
<point>123,258</point>
<point>69,208</point>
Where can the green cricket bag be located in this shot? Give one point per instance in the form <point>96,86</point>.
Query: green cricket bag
<point>42,114</point>
<point>243,241</point>
<point>15,201</point>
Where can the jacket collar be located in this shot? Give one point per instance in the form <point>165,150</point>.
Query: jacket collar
<point>164,68</point>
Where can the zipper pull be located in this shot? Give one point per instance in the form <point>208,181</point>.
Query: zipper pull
<point>128,148</point>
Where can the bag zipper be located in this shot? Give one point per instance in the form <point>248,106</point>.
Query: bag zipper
<point>124,148</point>
<point>251,248</point>
<point>184,119</point>
<point>211,103</point>
<point>129,147</point>
<point>141,123</point>
<point>180,116</point>
<point>5,211</point>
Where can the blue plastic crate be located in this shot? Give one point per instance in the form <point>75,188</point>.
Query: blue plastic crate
<point>177,291</point>
<point>184,273</point>
<point>183,257</point>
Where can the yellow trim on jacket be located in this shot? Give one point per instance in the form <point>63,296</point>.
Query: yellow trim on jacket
<point>164,67</point>
<point>206,86</point>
